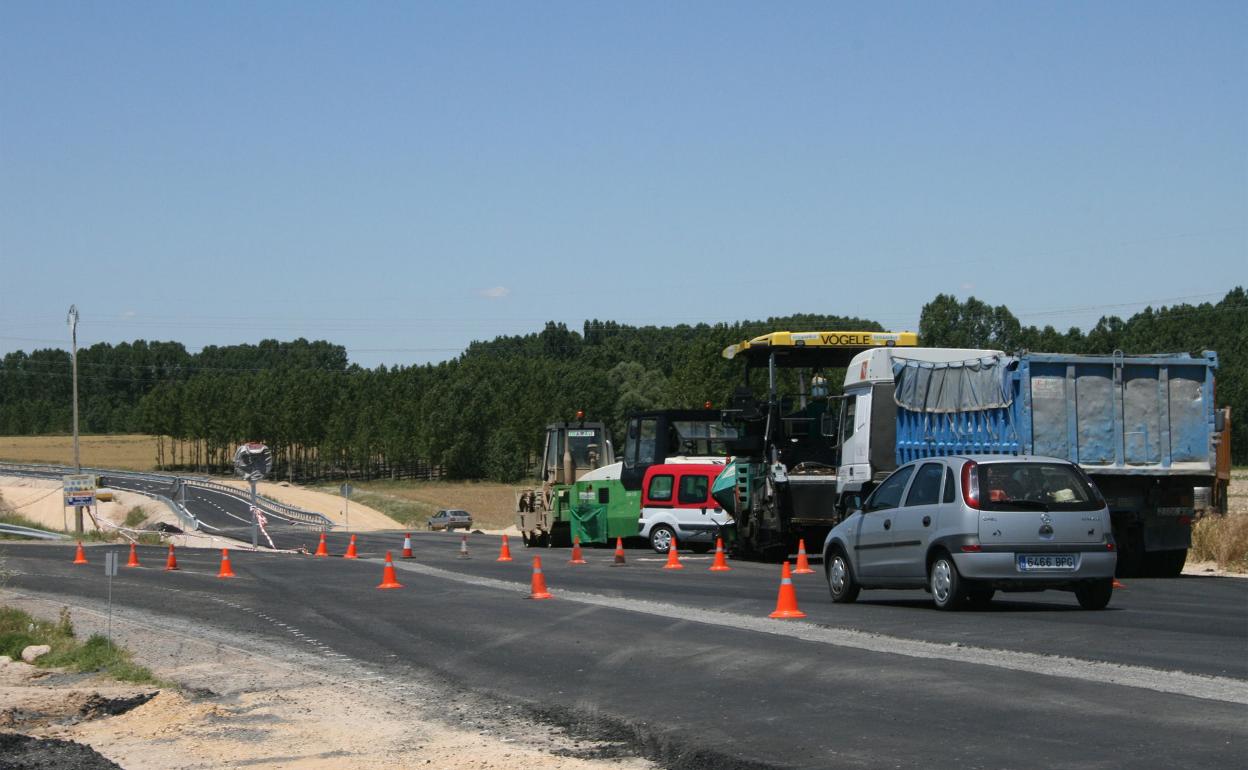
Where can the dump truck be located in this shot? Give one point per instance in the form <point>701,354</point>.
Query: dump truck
<point>1143,427</point>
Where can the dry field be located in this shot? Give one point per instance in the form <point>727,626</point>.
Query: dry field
<point>492,505</point>
<point>135,453</point>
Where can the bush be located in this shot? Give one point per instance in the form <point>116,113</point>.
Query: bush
<point>1222,539</point>
<point>135,517</point>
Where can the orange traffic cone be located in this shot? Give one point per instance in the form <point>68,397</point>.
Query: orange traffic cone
<point>619,553</point>
<point>803,566</point>
<point>388,578</point>
<point>171,563</point>
<point>134,557</point>
<point>504,553</point>
<point>577,558</point>
<point>407,546</point>
<point>786,601</point>
<point>463,547</point>
<point>321,549</point>
<point>351,554</point>
<point>226,570</point>
<point>720,564</point>
<point>1117,585</point>
<point>673,556</point>
<point>538,589</point>
<point>80,556</point>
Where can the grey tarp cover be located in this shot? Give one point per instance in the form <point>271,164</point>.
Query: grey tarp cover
<point>947,388</point>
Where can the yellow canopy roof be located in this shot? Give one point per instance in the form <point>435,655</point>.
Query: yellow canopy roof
<point>817,348</point>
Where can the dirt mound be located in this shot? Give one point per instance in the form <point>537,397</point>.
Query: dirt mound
<point>22,752</point>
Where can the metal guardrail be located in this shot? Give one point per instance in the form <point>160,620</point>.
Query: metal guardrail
<point>38,534</point>
<point>298,516</point>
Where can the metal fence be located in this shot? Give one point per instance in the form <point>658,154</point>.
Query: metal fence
<point>297,516</point>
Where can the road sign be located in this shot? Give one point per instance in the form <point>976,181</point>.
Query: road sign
<point>346,489</point>
<point>79,489</point>
<point>110,563</point>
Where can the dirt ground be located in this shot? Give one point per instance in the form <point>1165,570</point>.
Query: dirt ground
<point>245,703</point>
<point>361,518</point>
<point>40,500</point>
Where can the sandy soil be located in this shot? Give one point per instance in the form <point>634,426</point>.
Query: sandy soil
<point>40,501</point>
<point>269,707</point>
<point>362,518</point>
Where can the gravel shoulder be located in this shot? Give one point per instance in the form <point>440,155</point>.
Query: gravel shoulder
<point>249,703</point>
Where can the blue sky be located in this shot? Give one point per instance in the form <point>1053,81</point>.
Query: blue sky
<point>403,178</point>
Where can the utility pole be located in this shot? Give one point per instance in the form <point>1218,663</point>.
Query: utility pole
<point>72,319</point>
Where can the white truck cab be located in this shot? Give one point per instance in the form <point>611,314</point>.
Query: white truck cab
<point>868,410</point>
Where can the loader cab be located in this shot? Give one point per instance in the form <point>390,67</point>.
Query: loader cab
<point>573,449</point>
<point>657,437</point>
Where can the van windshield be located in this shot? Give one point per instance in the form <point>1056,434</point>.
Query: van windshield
<point>1035,486</point>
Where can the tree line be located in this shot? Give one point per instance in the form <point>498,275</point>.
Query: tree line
<point>482,414</point>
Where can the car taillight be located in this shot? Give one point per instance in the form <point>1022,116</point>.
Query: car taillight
<point>970,484</point>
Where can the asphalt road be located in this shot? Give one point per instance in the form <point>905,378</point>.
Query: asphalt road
<point>686,667</point>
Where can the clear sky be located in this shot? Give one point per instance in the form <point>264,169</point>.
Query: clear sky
<point>404,177</point>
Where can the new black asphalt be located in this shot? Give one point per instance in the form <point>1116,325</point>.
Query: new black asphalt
<point>697,694</point>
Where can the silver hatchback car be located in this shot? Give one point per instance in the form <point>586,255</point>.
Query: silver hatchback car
<point>963,527</point>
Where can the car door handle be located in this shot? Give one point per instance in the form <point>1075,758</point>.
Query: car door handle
<point>888,524</point>
<point>927,521</point>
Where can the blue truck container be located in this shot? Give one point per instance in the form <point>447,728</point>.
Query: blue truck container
<point>1143,427</point>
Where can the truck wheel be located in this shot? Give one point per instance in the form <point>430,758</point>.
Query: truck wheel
<point>1095,594</point>
<point>841,583</point>
<point>661,538</point>
<point>945,583</point>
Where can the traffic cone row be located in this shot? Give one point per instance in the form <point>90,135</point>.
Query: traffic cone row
<point>786,599</point>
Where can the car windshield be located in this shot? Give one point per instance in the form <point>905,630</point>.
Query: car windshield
<point>1035,486</point>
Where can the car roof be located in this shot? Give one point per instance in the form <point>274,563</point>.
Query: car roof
<point>988,459</point>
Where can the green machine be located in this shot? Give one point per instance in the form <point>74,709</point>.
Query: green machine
<point>586,493</point>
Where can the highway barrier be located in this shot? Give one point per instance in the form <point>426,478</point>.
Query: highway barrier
<point>31,532</point>
<point>294,515</point>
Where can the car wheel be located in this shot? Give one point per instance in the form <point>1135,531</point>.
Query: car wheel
<point>661,538</point>
<point>841,583</point>
<point>1095,594</point>
<point>945,582</point>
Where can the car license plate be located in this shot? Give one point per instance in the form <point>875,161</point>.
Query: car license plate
<point>1028,562</point>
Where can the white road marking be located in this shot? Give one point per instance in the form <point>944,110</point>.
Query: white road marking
<point>1215,688</point>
